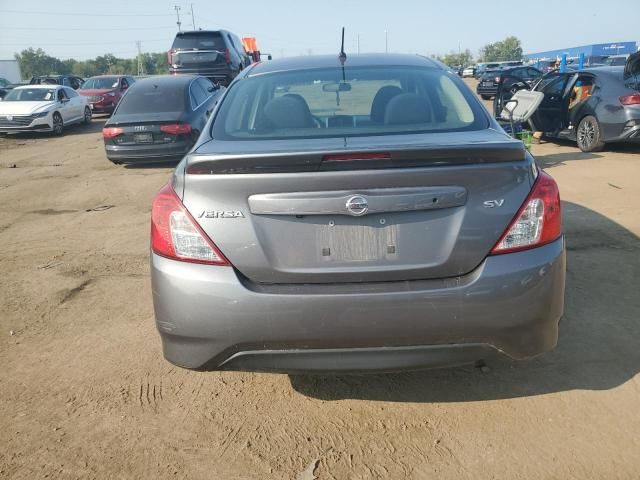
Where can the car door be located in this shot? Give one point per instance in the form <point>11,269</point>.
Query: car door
<point>64,105</point>
<point>76,104</point>
<point>551,115</point>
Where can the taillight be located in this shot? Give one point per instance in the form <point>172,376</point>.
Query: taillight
<point>176,128</point>
<point>111,132</point>
<point>170,57</point>
<point>538,222</point>
<point>630,99</point>
<point>175,234</point>
<point>227,55</point>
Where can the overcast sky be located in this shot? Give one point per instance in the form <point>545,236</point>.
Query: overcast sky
<point>84,29</point>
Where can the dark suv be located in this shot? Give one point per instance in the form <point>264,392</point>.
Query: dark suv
<point>66,80</point>
<point>508,77</point>
<point>218,55</point>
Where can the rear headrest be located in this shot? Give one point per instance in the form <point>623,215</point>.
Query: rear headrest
<point>381,100</point>
<point>406,109</point>
<point>288,111</point>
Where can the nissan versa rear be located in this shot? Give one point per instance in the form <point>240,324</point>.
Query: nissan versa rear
<point>369,216</point>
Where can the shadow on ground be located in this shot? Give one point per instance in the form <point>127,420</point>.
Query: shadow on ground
<point>554,159</point>
<point>597,348</point>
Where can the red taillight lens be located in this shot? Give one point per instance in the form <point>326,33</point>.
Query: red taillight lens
<point>170,57</point>
<point>349,157</point>
<point>227,55</point>
<point>175,234</point>
<point>176,128</point>
<point>538,222</point>
<point>111,132</point>
<point>630,99</point>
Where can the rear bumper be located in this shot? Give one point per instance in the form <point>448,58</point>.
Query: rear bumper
<point>490,90</point>
<point>147,153</point>
<point>215,73</point>
<point>209,317</point>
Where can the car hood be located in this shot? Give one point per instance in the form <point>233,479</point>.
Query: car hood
<point>95,91</point>
<point>24,108</point>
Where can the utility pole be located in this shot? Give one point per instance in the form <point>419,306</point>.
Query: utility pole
<point>193,18</point>
<point>358,43</point>
<point>177,9</point>
<point>386,41</point>
<point>140,63</point>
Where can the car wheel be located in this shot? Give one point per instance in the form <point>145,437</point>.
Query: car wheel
<point>588,135</point>
<point>87,116</point>
<point>486,97</point>
<point>58,124</point>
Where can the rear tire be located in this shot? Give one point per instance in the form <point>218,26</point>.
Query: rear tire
<point>588,135</point>
<point>486,97</point>
<point>58,125</point>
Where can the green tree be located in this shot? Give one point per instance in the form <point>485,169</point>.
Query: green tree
<point>461,58</point>
<point>36,62</point>
<point>508,49</point>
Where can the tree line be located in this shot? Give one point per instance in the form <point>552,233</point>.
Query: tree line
<point>35,62</point>
<point>508,49</point>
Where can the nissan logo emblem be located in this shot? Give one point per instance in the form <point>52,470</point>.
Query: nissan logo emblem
<point>357,205</point>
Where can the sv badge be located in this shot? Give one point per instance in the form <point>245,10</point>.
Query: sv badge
<point>494,203</point>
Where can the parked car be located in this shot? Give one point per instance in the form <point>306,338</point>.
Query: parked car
<point>46,108</point>
<point>218,55</point>
<point>482,68</point>
<point>105,91</point>
<point>510,79</point>
<point>469,71</point>
<point>159,118</point>
<point>616,61</point>
<point>374,217</point>
<point>592,107</point>
<point>65,80</point>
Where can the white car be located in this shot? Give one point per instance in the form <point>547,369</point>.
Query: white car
<point>44,108</point>
<point>468,71</point>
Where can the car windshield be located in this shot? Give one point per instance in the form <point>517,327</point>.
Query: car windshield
<point>153,97</point>
<point>199,41</point>
<point>30,95</point>
<point>368,101</point>
<point>100,83</point>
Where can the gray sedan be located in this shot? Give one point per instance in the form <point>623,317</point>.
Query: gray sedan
<point>364,216</point>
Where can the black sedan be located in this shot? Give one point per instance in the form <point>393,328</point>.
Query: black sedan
<point>515,78</point>
<point>592,107</point>
<point>159,118</point>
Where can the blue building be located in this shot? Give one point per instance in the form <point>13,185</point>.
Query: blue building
<point>595,52</point>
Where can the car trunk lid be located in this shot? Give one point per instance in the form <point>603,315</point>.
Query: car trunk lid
<point>359,209</point>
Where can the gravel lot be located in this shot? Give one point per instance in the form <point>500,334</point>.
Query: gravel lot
<point>85,392</point>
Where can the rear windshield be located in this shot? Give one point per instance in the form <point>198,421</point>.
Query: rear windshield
<point>368,101</point>
<point>200,41</point>
<point>153,97</point>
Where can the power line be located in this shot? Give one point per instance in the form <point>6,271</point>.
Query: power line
<point>75,14</point>
<point>88,29</point>
<point>28,44</point>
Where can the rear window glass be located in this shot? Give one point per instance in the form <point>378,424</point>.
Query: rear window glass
<point>151,97</point>
<point>368,101</point>
<point>200,41</point>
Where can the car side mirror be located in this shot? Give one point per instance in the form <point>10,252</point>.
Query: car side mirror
<point>64,100</point>
<point>213,88</point>
<point>269,57</point>
<point>124,87</point>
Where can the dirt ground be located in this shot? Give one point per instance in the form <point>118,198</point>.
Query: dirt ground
<point>85,392</point>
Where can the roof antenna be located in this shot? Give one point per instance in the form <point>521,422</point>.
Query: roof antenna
<point>342,56</point>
